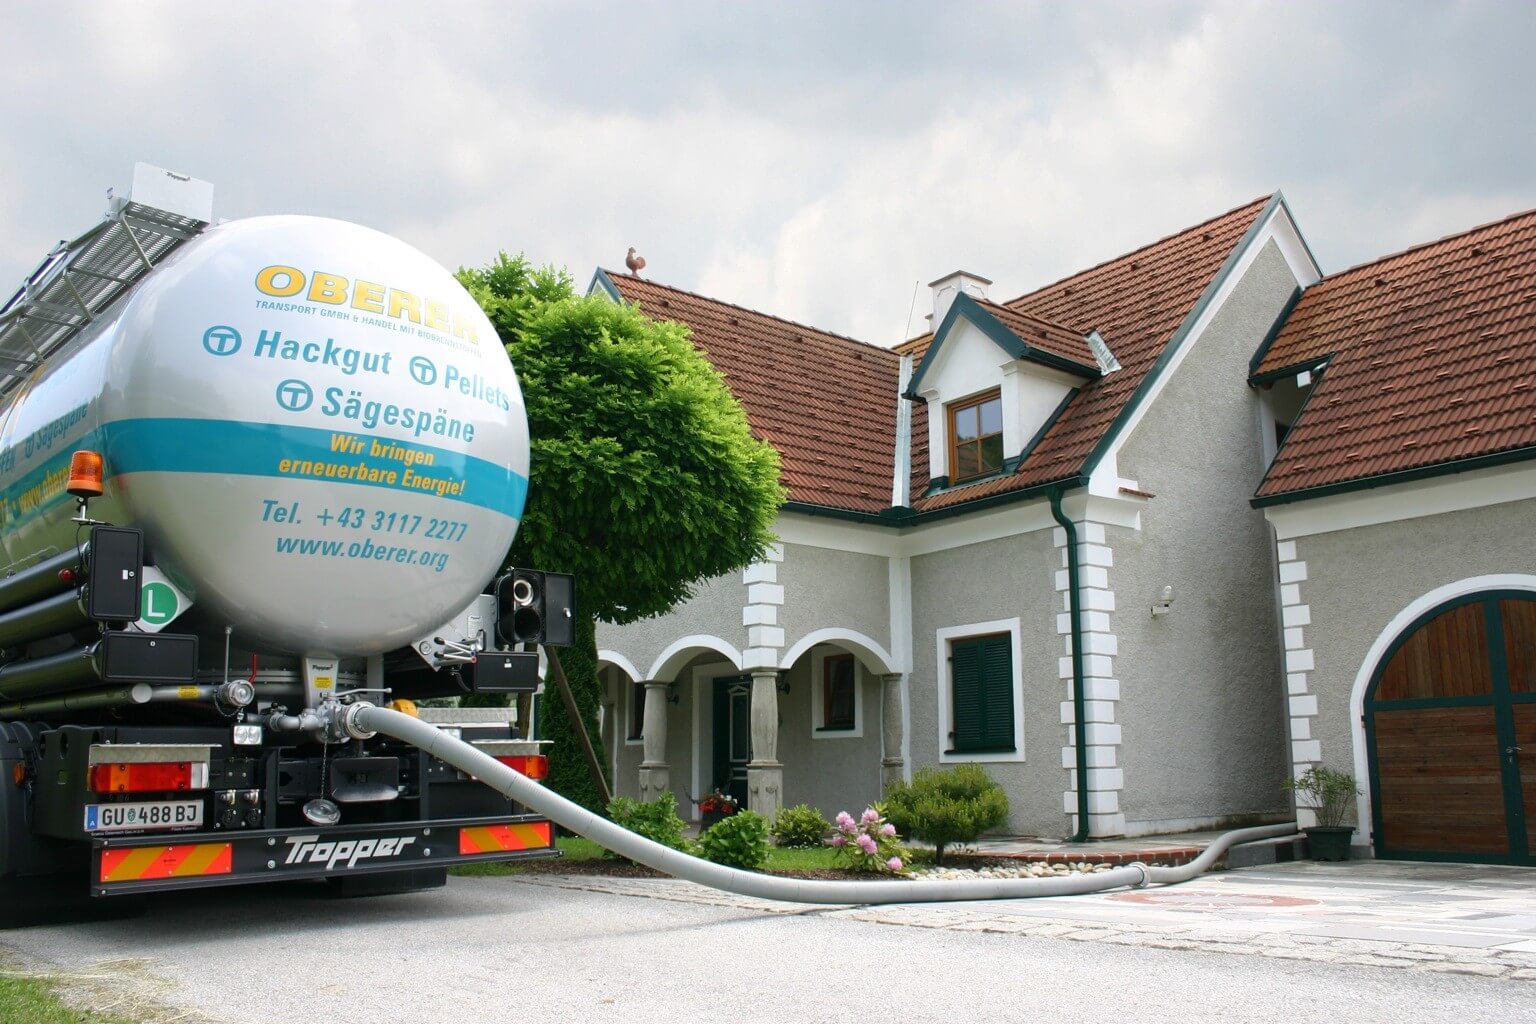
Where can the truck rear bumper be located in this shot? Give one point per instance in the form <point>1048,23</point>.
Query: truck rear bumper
<point>188,860</point>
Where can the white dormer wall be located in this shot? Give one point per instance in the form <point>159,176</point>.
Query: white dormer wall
<point>969,363</point>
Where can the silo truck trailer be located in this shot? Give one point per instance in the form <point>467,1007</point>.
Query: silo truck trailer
<point>250,473</point>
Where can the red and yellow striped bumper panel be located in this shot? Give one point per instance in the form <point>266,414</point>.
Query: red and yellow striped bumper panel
<point>147,862</point>
<point>533,835</point>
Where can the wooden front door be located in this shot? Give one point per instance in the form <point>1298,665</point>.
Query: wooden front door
<point>733,735</point>
<point>1450,724</point>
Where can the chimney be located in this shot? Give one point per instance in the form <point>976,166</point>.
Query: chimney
<point>950,285</point>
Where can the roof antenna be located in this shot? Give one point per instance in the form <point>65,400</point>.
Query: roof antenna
<point>910,310</point>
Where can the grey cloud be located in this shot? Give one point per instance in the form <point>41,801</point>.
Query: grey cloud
<point>810,159</point>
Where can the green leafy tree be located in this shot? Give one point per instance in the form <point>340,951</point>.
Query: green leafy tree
<point>645,479</point>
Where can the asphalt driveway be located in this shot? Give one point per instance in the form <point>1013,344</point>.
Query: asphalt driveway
<point>1418,943</point>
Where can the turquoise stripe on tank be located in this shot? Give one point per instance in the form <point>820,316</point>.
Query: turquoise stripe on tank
<point>305,453</point>
<point>261,449</point>
<point>41,488</point>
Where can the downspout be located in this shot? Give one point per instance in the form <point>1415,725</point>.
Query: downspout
<point>1079,704</point>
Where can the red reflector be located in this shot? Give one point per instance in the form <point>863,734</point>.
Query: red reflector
<point>147,778</point>
<point>535,766</point>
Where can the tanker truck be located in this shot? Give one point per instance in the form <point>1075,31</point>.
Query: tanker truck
<point>253,472</point>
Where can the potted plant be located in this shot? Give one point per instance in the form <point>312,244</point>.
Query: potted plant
<point>1331,794</point>
<point>715,806</point>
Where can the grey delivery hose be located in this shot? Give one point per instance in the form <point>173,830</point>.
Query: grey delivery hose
<point>362,720</point>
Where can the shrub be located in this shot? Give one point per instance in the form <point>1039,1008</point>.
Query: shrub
<point>946,807</point>
<point>739,841</point>
<point>1332,793</point>
<point>868,844</point>
<point>801,825</point>
<point>656,820</point>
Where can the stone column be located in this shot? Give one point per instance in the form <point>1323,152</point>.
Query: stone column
<point>892,764</point>
<point>655,775</point>
<point>765,775</point>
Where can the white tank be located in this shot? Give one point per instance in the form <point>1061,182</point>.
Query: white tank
<point>314,424</point>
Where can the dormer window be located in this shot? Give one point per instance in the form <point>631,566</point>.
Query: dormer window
<point>994,378</point>
<point>976,436</point>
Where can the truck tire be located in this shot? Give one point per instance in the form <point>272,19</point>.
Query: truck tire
<point>36,900</point>
<point>387,883</point>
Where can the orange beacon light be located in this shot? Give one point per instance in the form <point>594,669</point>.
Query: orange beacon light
<point>85,471</point>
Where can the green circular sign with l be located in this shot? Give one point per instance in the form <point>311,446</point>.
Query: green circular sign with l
<point>157,603</point>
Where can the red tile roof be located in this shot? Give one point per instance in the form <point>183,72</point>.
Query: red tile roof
<point>1045,335</point>
<point>1136,303</point>
<point>1433,360</point>
<point>826,402</point>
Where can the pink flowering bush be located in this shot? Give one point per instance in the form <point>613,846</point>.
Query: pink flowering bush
<point>868,843</point>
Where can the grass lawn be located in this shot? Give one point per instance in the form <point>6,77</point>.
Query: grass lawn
<point>810,858</point>
<point>576,849</point>
<point>573,848</point>
<point>32,1001</point>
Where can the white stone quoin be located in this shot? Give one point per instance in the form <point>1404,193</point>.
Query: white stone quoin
<point>1299,663</point>
<point>1101,690</point>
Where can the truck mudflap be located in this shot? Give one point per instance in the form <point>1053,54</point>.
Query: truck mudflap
<point>139,864</point>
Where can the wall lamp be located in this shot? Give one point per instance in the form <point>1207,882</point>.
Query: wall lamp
<point>672,695</point>
<point>1164,603</point>
<point>783,686</point>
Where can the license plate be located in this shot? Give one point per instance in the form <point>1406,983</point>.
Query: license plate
<point>149,814</point>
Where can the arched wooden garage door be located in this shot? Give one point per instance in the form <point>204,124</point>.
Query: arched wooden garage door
<point>1450,721</point>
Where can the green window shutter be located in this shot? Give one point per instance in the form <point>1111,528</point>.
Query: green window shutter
<point>966,683</point>
<point>997,692</point>
<point>981,683</point>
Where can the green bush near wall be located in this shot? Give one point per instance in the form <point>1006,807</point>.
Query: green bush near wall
<point>955,805</point>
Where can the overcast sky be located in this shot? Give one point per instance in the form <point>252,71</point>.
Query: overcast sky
<point>811,160</point>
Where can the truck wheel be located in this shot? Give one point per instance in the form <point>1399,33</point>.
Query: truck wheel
<point>387,883</point>
<point>35,900</point>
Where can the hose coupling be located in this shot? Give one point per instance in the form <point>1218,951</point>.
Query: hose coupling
<point>343,720</point>
<point>236,693</point>
<point>1146,874</point>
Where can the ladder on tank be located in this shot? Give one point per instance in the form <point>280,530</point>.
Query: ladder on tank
<point>80,280</point>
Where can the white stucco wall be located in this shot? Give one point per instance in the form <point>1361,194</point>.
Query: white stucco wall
<point>991,581</point>
<point>1200,707</point>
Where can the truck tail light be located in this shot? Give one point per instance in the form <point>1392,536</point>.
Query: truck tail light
<point>149,777</point>
<point>535,766</point>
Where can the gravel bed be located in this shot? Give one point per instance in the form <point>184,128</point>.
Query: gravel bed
<point>1024,870</point>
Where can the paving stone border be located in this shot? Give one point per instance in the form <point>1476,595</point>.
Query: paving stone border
<point>1487,963</point>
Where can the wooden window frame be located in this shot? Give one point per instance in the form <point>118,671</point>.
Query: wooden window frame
<point>950,412</point>
<point>852,721</point>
